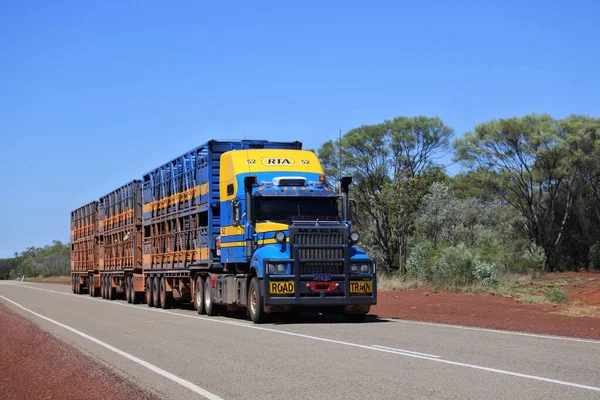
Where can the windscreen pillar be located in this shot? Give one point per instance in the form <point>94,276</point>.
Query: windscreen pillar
<point>248,182</point>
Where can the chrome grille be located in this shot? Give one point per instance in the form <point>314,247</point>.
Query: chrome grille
<point>322,268</point>
<point>317,239</point>
<point>314,259</point>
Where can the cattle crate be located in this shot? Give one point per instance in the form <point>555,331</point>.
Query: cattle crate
<point>120,228</point>
<point>181,214</point>
<point>84,238</point>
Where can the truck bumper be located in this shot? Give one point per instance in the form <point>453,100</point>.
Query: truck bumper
<point>306,291</point>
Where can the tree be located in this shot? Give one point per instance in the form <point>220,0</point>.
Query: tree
<point>530,161</point>
<point>392,164</point>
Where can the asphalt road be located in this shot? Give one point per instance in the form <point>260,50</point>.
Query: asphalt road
<point>178,354</point>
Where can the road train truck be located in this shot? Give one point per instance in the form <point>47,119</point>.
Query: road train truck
<point>231,225</point>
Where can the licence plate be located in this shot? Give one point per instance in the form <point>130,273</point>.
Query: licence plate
<point>361,287</point>
<point>322,277</point>
<point>281,287</point>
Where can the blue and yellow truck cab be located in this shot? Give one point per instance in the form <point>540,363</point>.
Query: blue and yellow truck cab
<point>283,242</point>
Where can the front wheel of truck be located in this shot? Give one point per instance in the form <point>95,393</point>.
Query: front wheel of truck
<point>256,307</point>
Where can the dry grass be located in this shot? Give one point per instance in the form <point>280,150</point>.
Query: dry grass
<point>579,309</point>
<point>532,299</point>
<point>63,279</point>
<point>395,282</point>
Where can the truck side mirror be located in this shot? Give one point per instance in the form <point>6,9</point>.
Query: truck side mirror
<point>236,213</point>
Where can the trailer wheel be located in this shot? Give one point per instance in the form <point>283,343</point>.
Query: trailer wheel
<point>211,308</point>
<point>73,283</point>
<point>127,289</point>
<point>199,291</point>
<point>91,290</point>
<point>166,298</point>
<point>112,292</point>
<point>156,292</point>
<point>149,294</point>
<point>135,298</point>
<point>104,291</point>
<point>255,302</point>
<point>77,286</point>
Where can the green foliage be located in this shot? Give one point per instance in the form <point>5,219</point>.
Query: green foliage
<point>538,166</point>
<point>393,164</point>
<point>421,262</point>
<point>557,296</point>
<point>455,266</point>
<point>594,256</point>
<point>50,260</point>
<point>486,273</point>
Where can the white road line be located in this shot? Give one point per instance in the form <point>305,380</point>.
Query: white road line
<point>356,345</point>
<point>473,328</point>
<point>405,351</point>
<point>151,367</point>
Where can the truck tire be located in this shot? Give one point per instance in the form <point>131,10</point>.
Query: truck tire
<point>149,294</point>
<point>210,307</point>
<point>128,289</point>
<point>166,297</point>
<point>112,292</point>
<point>73,283</point>
<point>199,292</point>
<point>91,288</point>
<point>256,307</point>
<point>135,297</point>
<point>104,291</point>
<point>156,292</point>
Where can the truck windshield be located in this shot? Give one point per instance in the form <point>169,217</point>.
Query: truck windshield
<point>281,209</point>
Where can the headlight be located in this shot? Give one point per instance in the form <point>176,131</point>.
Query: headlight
<point>364,268</point>
<point>355,237</point>
<point>354,268</point>
<point>276,269</point>
<point>280,236</point>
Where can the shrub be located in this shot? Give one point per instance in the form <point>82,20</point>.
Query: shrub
<point>557,296</point>
<point>533,259</point>
<point>485,273</point>
<point>455,267</point>
<point>421,260</point>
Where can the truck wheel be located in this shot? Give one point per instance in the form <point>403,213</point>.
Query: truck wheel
<point>112,292</point>
<point>75,284</point>
<point>166,298</point>
<point>135,298</point>
<point>149,294</point>
<point>211,308</point>
<point>104,291</point>
<point>156,292</point>
<point>199,292</point>
<point>91,289</point>
<point>127,289</point>
<point>255,302</point>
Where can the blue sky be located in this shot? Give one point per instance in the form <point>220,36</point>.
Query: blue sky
<point>95,93</point>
